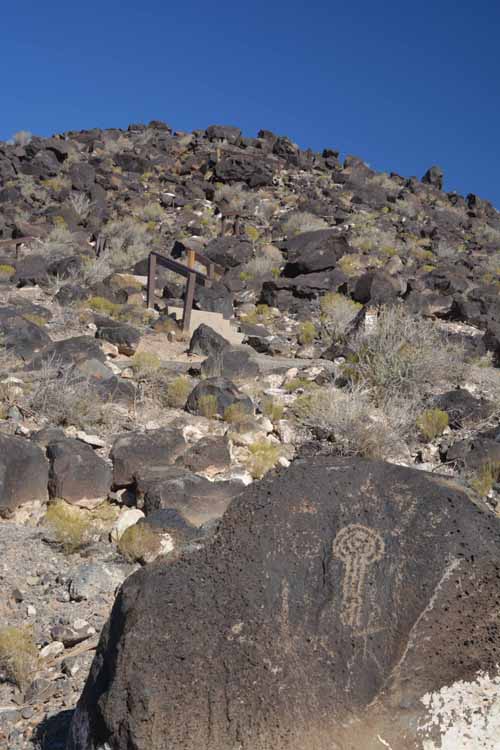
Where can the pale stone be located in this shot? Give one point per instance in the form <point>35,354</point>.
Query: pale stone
<point>125,520</point>
<point>51,650</point>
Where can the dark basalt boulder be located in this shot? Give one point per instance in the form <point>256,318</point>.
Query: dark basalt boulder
<point>215,298</point>
<point>77,474</point>
<point>195,498</point>
<point>239,168</point>
<point>314,251</point>
<point>229,251</point>
<point>463,408</point>
<point>434,176</point>
<point>73,351</point>
<point>206,342</point>
<point>123,335</point>
<point>378,288</point>
<point>23,473</point>
<point>82,176</point>
<point>30,271</point>
<point>233,362</point>
<point>19,335</point>
<point>141,454</point>
<point>209,455</point>
<point>345,604</point>
<point>227,133</point>
<point>219,391</point>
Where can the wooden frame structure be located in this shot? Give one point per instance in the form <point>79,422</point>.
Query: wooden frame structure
<point>188,271</point>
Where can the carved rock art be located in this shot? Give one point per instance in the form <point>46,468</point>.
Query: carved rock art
<point>357,547</point>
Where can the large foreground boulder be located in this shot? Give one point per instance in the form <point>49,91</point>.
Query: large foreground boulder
<point>347,604</point>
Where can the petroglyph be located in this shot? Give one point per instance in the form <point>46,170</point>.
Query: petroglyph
<point>357,547</point>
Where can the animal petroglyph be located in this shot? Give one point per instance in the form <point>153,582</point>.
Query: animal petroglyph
<point>357,547</point>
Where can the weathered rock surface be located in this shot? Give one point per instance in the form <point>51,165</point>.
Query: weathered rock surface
<point>77,474</point>
<point>345,604</point>
<point>207,342</point>
<point>23,473</point>
<point>137,454</point>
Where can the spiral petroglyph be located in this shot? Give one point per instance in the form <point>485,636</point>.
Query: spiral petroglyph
<point>357,547</point>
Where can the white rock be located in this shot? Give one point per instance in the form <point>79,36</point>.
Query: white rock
<point>30,610</point>
<point>94,440</point>
<point>125,520</point>
<point>266,424</point>
<point>52,650</point>
<point>109,349</point>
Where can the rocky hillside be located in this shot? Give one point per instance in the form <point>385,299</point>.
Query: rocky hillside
<point>354,326</point>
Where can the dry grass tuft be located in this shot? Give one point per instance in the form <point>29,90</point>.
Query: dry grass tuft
<point>18,655</point>
<point>139,544</point>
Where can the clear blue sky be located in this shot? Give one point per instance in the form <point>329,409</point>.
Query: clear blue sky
<point>403,85</point>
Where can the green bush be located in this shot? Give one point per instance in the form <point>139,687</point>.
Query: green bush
<point>72,527</point>
<point>272,410</point>
<point>207,406</point>
<point>263,457</point>
<point>307,333</point>
<point>18,654</point>
<point>139,543</point>
<point>177,392</point>
<point>486,477</point>
<point>432,423</point>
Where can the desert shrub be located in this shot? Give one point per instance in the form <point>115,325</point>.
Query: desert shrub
<point>139,543</point>
<point>266,260</point>
<point>105,306</point>
<point>263,457</point>
<point>18,654</point>
<point>486,476</point>
<point>235,414</point>
<point>81,204</point>
<point>299,383</point>
<point>145,363</point>
<point>177,392</point>
<point>128,241</point>
<point>302,221</point>
<point>403,354</point>
<point>352,264</point>
<point>64,397</point>
<point>261,315</point>
<point>6,271</point>
<point>272,410</point>
<point>307,333</point>
<point>207,406</point>
<point>22,138</point>
<point>350,420</point>
<point>71,527</point>
<point>252,233</point>
<point>239,200</point>
<point>59,243</point>
<point>432,423</point>
<point>337,312</point>
<point>153,212</point>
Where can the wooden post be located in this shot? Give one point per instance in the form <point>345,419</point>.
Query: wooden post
<point>191,258</point>
<point>211,271</point>
<point>236,225</point>
<point>188,301</point>
<point>223,226</point>
<point>151,279</point>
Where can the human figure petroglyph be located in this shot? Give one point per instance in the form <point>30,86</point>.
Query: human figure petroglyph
<point>357,547</point>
